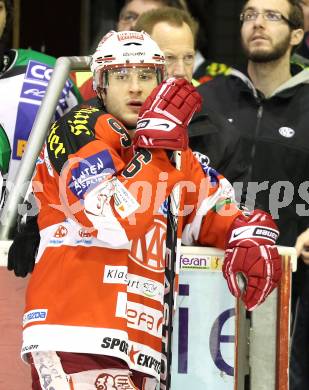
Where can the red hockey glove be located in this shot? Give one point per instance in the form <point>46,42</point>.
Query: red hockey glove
<point>164,116</point>
<point>251,251</point>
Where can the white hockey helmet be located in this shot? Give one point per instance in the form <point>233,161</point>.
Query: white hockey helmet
<point>125,49</point>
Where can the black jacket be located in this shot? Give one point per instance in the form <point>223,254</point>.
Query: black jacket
<point>275,142</point>
<point>212,135</point>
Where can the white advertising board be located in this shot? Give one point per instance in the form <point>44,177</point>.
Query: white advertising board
<point>204,327</point>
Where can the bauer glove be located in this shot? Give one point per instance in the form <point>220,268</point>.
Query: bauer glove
<point>251,251</point>
<point>164,116</point>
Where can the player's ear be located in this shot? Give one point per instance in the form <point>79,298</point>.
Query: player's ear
<point>296,36</point>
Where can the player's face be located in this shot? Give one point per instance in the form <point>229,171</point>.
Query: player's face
<point>130,13</point>
<point>2,17</point>
<point>177,44</point>
<point>127,90</point>
<point>268,40</point>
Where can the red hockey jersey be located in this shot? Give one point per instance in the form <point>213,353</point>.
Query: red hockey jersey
<point>98,283</point>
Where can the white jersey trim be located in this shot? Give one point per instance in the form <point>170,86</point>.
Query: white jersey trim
<point>91,340</point>
<point>72,233</point>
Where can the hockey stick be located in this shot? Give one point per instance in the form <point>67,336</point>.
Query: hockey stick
<point>172,255</point>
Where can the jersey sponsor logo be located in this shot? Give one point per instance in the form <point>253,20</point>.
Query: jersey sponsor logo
<point>116,344</point>
<point>34,316</point>
<point>286,132</point>
<point>107,381</point>
<point>135,284</point>
<point>61,232</point>
<point>78,125</point>
<point>148,361</point>
<point>33,90</point>
<point>38,71</point>
<point>124,202</point>
<point>149,250</point>
<point>144,318</point>
<point>84,233</point>
<point>19,148</point>
<point>91,171</point>
<point>54,142</point>
<point>104,382</point>
<point>133,353</point>
<point>29,348</point>
<point>84,237</point>
<point>115,274</point>
<point>37,77</point>
<point>152,289</point>
<point>210,172</point>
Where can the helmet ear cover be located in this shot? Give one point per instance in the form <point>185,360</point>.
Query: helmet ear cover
<point>125,49</point>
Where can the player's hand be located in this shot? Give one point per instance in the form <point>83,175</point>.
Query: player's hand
<point>22,252</point>
<point>164,116</point>
<point>251,252</point>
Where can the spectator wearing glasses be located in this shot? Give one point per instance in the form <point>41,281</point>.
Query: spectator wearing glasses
<point>268,103</point>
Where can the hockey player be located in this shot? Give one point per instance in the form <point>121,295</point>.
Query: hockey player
<point>91,319</point>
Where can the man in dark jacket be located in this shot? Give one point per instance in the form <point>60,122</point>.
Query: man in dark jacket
<point>269,105</point>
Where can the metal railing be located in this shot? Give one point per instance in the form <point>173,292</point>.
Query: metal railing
<point>37,137</point>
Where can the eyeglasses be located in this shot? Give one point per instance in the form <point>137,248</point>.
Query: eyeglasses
<point>187,59</point>
<point>251,15</point>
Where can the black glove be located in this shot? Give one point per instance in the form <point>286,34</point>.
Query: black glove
<point>22,252</point>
